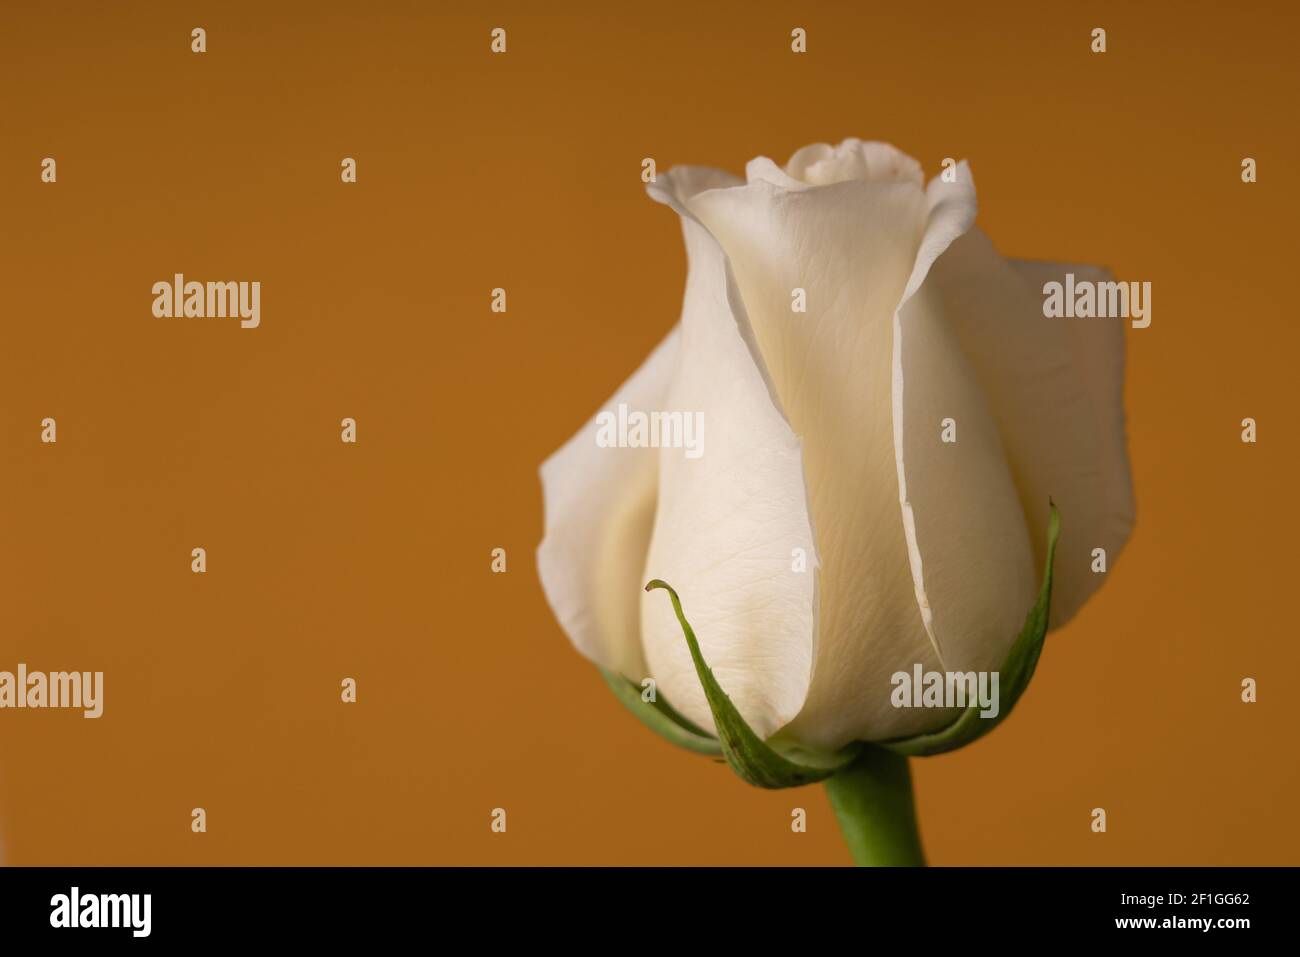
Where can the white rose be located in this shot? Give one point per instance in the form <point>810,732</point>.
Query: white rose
<point>823,433</point>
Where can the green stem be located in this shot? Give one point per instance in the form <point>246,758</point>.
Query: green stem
<point>872,798</point>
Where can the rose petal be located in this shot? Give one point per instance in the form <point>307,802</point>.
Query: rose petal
<point>600,506</point>
<point>729,521</point>
<point>971,558</point>
<point>1056,388</point>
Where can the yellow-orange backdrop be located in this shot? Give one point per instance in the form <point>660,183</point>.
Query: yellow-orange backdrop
<point>522,171</point>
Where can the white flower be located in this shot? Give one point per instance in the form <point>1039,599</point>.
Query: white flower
<point>824,434</point>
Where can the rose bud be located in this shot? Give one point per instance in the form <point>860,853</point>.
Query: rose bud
<point>882,417</point>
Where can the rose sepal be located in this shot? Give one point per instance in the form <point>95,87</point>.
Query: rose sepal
<point>761,763</point>
<point>661,717</point>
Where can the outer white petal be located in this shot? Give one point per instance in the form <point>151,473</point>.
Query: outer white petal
<point>971,558</point>
<point>1056,388</point>
<point>851,246</point>
<point>600,505</point>
<point>729,522</point>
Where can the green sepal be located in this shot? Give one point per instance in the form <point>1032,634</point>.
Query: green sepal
<point>755,761</point>
<point>660,717</point>
<point>1013,677</point>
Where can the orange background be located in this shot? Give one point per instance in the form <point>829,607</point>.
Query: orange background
<point>523,171</point>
